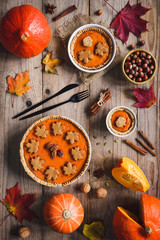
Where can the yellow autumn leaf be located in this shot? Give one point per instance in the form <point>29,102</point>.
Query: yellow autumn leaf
<point>18,84</point>
<point>94,231</point>
<point>50,64</point>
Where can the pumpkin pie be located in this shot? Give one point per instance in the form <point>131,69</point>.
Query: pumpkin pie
<point>121,121</point>
<point>55,151</point>
<point>91,48</point>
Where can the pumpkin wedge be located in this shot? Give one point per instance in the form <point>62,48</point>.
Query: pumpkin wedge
<point>127,173</point>
<point>127,227</point>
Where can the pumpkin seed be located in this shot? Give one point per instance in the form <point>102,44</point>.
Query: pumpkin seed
<point>105,144</point>
<point>107,184</point>
<point>105,137</point>
<point>98,143</point>
<point>95,137</point>
<point>116,141</point>
<point>110,151</point>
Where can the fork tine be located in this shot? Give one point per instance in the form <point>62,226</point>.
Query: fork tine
<point>80,93</point>
<point>84,97</point>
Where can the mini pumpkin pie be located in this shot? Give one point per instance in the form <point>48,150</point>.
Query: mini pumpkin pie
<point>121,121</point>
<point>91,48</point>
<point>55,151</point>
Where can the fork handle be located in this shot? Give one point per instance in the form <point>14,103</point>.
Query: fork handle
<point>44,110</point>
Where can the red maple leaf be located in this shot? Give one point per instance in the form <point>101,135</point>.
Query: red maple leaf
<point>128,20</point>
<point>146,98</point>
<point>18,205</point>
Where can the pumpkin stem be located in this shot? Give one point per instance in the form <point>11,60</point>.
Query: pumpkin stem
<point>66,214</point>
<point>148,230</point>
<point>24,36</point>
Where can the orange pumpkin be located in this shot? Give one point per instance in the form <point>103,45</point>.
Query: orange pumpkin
<point>63,213</point>
<point>24,31</point>
<point>127,227</point>
<point>127,173</point>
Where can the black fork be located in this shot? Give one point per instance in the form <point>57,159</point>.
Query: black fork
<point>78,97</point>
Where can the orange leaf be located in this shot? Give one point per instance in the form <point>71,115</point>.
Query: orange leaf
<point>50,64</point>
<point>18,205</point>
<point>18,84</point>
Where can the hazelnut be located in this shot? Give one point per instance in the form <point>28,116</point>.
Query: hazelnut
<point>23,232</point>
<point>148,56</point>
<point>152,67</point>
<point>140,69</point>
<point>99,12</point>
<point>139,79</point>
<point>101,193</point>
<point>85,188</point>
<point>143,54</point>
<point>132,46</point>
<point>142,42</point>
<point>130,76</point>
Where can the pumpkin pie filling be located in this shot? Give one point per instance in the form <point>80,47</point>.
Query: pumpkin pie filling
<point>86,41</point>
<point>121,121</point>
<point>64,167</point>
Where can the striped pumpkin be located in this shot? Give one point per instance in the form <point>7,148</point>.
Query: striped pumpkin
<point>63,213</point>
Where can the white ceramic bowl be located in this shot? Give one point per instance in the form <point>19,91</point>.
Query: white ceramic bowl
<point>108,116</point>
<point>91,26</point>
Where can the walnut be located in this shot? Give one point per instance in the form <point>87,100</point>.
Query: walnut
<point>87,41</point>
<point>120,122</point>
<point>85,188</point>
<point>101,192</point>
<point>85,56</point>
<point>23,232</point>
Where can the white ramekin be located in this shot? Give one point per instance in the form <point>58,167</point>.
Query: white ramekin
<point>90,26</point>
<point>123,135</point>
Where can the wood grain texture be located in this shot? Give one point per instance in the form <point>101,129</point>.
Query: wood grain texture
<point>13,130</point>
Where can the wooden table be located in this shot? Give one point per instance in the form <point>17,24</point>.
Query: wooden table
<point>11,131</point>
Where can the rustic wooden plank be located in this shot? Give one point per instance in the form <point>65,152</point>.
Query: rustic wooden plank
<point>12,130</point>
<point>67,74</point>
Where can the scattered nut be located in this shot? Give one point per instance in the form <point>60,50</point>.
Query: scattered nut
<point>23,232</point>
<point>101,193</point>
<point>99,12</point>
<point>132,46</point>
<point>142,42</point>
<point>85,188</point>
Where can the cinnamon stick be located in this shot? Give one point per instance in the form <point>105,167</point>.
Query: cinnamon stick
<point>136,147</point>
<point>146,139</point>
<point>95,107</point>
<point>146,147</point>
<point>65,12</point>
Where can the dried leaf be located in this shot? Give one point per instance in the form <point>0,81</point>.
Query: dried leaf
<point>18,205</point>
<point>18,84</point>
<point>94,231</point>
<point>50,64</point>
<point>128,20</point>
<point>146,98</point>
